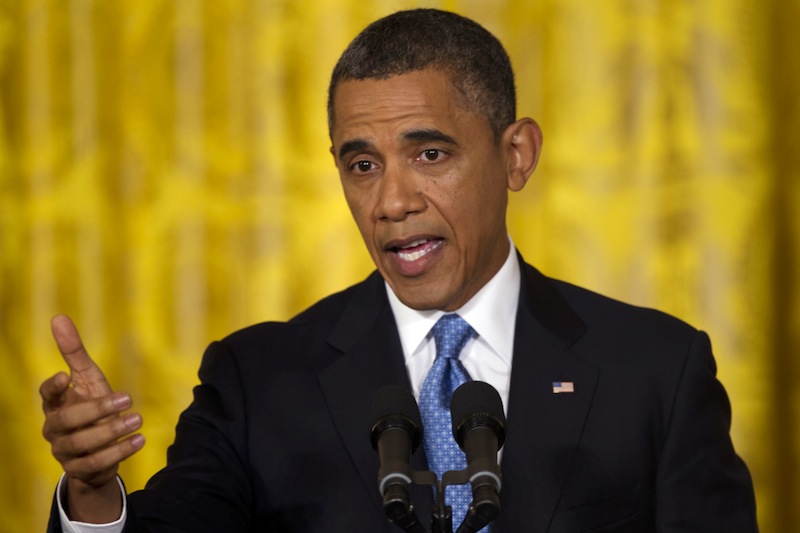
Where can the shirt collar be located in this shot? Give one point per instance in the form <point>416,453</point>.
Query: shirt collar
<point>491,312</point>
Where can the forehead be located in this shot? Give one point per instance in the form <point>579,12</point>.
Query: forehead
<point>424,98</point>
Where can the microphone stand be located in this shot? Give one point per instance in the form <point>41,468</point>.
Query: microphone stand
<point>484,508</point>
<point>442,515</point>
<point>397,507</point>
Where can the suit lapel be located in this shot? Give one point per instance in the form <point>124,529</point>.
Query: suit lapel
<point>544,428</point>
<point>372,357</point>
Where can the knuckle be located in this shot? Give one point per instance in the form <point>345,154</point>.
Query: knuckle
<point>107,407</point>
<point>63,449</point>
<point>47,431</point>
<point>50,389</point>
<point>55,451</point>
<point>92,463</point>
<point>43,388</point>
<point>72,444</point>
<point>60,419</point>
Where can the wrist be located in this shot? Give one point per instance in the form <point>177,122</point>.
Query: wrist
<point>92,504</point>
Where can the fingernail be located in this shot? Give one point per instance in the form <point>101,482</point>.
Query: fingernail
<point>121,400</point>
<point>132,421</point>
<point>137,441</point>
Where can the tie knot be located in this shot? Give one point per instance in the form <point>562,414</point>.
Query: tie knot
<point>451,333</point>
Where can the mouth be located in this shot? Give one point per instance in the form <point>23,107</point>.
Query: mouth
<point>414,250</point>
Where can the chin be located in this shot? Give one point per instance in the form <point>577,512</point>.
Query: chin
<point>419,299</point>
<point>424,300</point>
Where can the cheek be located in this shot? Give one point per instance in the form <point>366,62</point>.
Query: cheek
<point>362,216</point>
<point>468,202</point>
<point>357,203</point>
<point>479,211</point>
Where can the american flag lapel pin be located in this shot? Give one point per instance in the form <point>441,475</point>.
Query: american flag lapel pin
<point>560,387</point>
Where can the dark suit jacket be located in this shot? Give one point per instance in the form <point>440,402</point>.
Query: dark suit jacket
<point>277,438</point>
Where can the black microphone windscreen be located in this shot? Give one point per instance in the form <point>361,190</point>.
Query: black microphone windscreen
<point>395,406</point>
<point>394,399</point>
<point>476,402</point>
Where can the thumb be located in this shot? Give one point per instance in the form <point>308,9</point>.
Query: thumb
<point>85,375</point>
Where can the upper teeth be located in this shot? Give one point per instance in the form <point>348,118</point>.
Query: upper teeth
<point>413,244</point>
<point>416,254</point>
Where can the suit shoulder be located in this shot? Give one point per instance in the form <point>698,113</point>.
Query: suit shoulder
<point>629,341</point>
<point>603,311</point>
<point>630,336</point>
<point>315,322</point>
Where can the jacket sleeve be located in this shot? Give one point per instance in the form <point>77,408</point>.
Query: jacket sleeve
<point>205,485</point>
<point>702,485</point>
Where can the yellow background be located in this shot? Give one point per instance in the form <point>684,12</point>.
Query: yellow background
<point>165,179</point>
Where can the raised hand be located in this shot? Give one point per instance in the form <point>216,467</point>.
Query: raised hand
<point>86,427</point>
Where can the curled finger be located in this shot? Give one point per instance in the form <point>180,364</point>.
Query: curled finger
<point>99,467</point>
<point>70,418</point>
<point>53,392</point>
<point>91,439</point>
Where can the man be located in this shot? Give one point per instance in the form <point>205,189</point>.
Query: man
<point>615,419</point>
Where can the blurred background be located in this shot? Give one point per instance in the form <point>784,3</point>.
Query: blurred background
<point>165,179</point>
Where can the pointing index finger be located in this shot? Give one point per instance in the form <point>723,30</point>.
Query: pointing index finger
<point>70,344</point>
<point>83,371</point>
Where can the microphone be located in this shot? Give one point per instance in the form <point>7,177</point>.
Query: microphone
<point>479,427</point>
<point>396,434</point>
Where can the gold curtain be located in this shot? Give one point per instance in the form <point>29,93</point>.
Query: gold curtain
<point>164,179</point>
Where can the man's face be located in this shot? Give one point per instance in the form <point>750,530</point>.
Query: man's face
<point>426,183</point>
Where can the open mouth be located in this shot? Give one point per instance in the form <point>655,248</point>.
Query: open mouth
<point>416,250</point>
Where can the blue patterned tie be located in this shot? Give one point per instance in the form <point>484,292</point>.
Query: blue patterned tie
<point>450,333</point>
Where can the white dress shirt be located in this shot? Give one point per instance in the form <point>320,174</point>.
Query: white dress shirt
<point>492,313</point>
<point>69,526</point>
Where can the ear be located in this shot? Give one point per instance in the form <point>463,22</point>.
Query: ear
<point>523,144</point>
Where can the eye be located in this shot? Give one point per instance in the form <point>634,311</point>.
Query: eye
<point>362,166</point>
<point>430,155</point>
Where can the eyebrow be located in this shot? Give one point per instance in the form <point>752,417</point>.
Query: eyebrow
<point>356,145</point>
<point>429,135</point>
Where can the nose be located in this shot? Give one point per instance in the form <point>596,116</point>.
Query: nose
<point>399,194</point>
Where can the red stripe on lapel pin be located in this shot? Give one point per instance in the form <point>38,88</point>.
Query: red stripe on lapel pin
<point>563,386</point>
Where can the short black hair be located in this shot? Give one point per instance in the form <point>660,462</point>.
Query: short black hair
<point>412,40</point>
